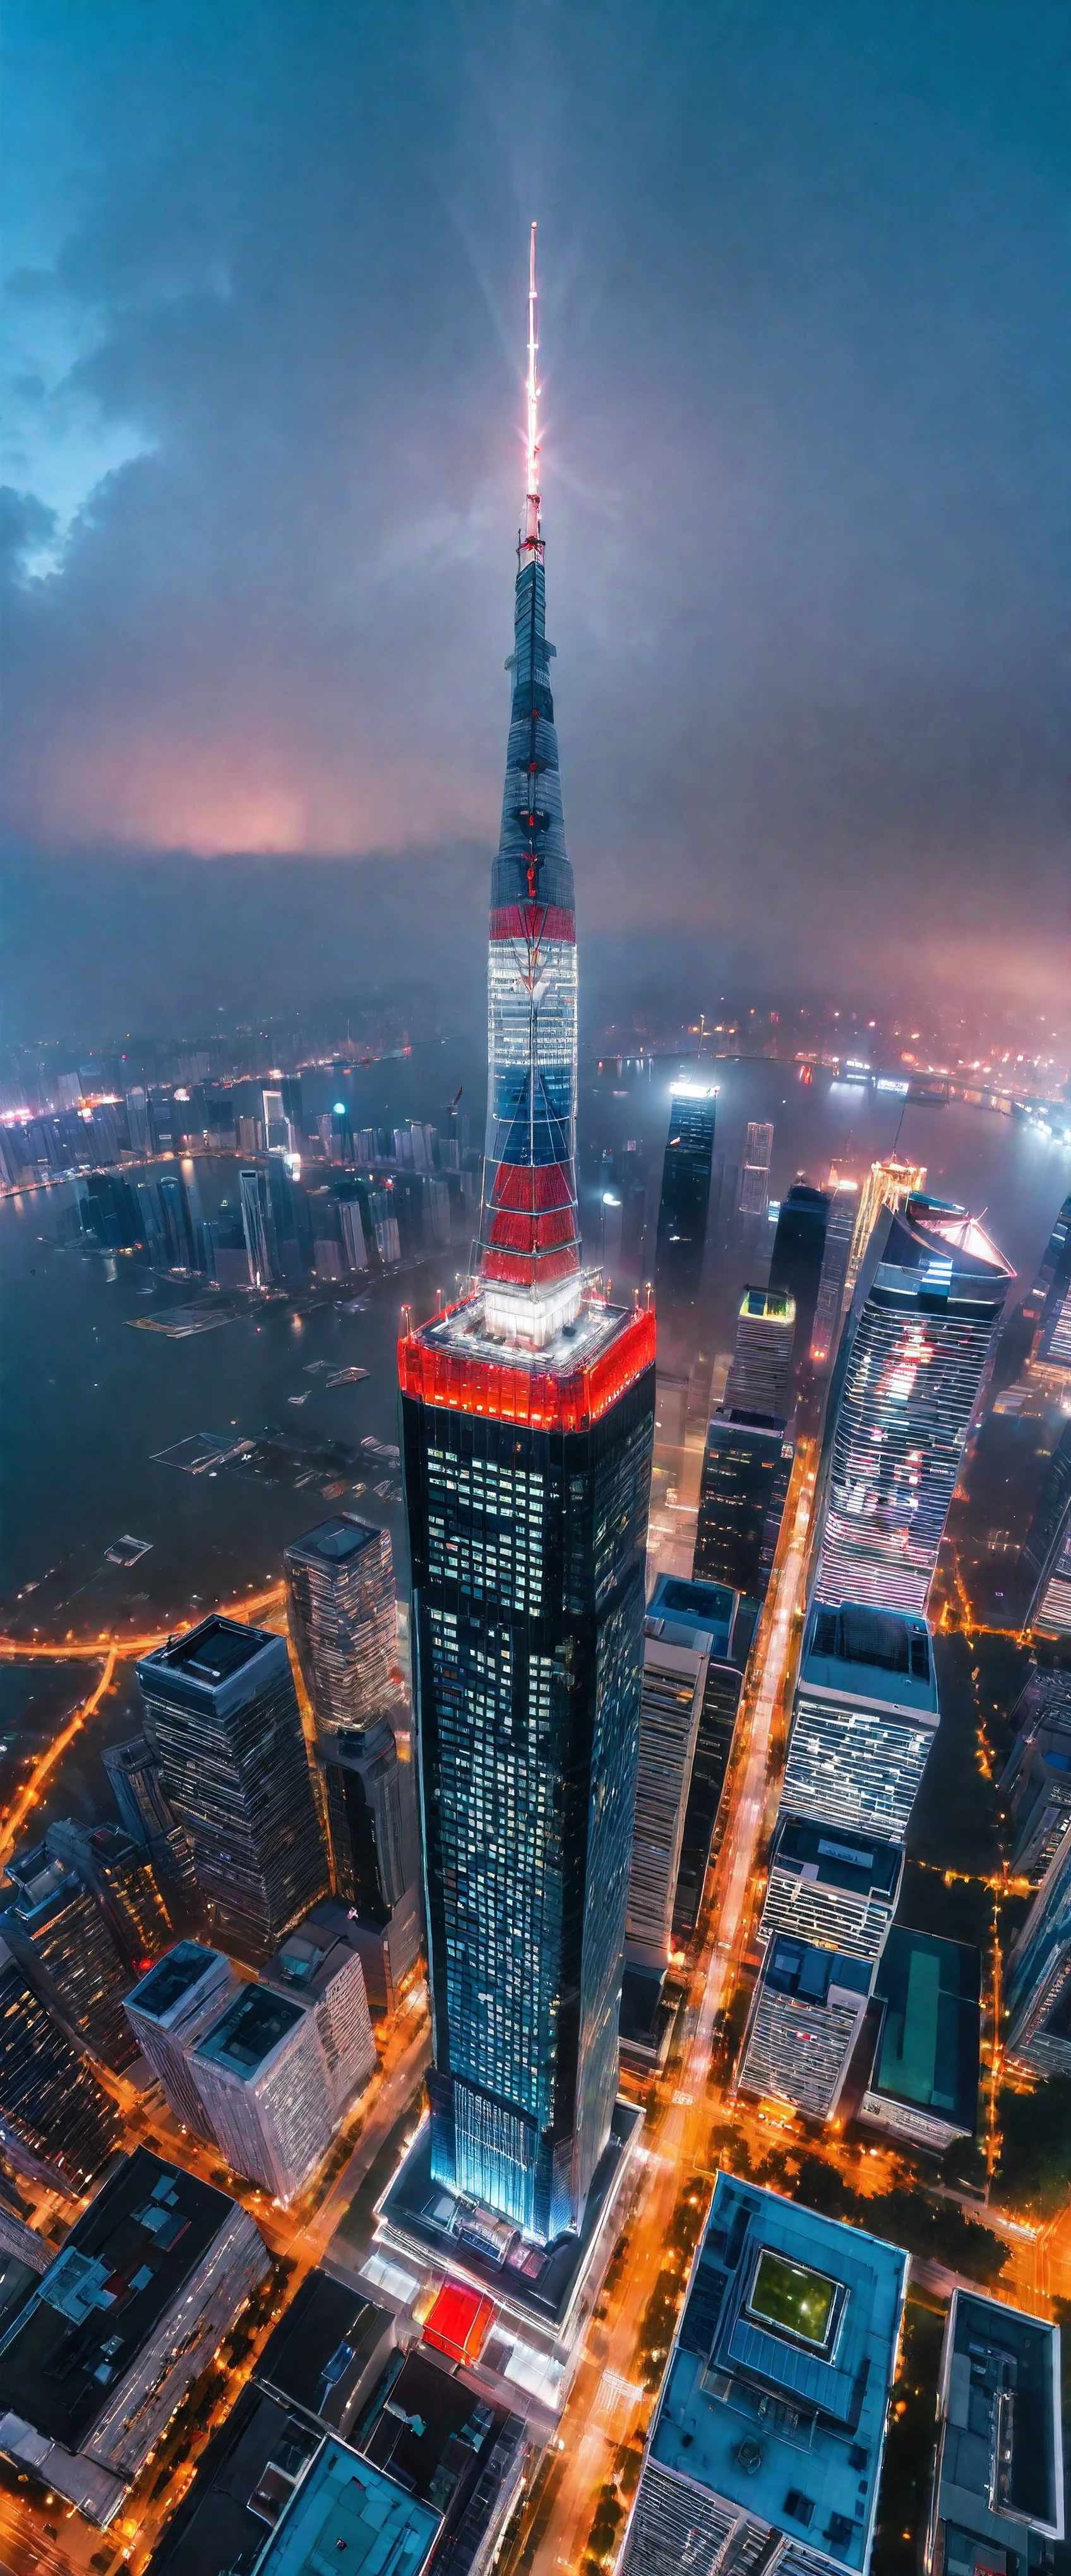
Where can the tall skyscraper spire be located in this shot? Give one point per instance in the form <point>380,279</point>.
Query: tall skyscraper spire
<point>527,1422</point>
<point>529,1234</point>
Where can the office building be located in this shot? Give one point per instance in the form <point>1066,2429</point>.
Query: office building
<point>714,1743</point>
<point>864,1718</point>
<point>1054,1270</point>
<point>343,2504</point>
<point>676,1658</point>
<point>754,1196</point>
<point>796,1262</point>
<point>998,2489</point>
<point>56,1930</point>
<point>1037,1983</point>
<point>685,1200</point>
<point>747,1462</point>
<point>768,2438</point>
<point>1054,1345</point>
<point>260,2071</point>
<point>94,2364</point>
<point>836,1254</point>
<point>527,1433</point>
<point>222,1718</point>
<point>441,2438</point>
<point>923,2085</point>
<point>888,1184</point>
<point>760,1378</point>
<point>806,2016</point>
<point>1047,1548</point>
<point>1035,1785</point>
<point>138,1790</point>
<point>913,1356</point>
<point>168,2011</point>
<point>56,2125</point>
<point>831,1887</point>
<point>341,1609</point>
<point>275,1224</point>
<point>370,1801</point>
<point>319,1965</point>
<point>123,1883</point>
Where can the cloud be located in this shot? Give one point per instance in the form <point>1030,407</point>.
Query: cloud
<point>805,385</point>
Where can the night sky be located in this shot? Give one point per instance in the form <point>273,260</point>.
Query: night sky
<point>806,363</point>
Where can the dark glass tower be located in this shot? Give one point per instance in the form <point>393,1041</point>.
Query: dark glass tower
<point>796,1260</point>
<point>222,1718</point>
<point>54,2119</point>
<point>527,1414</point>
<point>685,1199</point>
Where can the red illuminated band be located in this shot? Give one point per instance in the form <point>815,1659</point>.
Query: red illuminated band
<point>547,1399</point>
<point>533,921</point>
<point>532,1187</point>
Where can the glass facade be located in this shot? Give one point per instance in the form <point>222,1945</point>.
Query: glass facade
<point>54,2118</point>
<point>747,1463</point>
<point>685,1199</point>
<point>1038,1983</point>
<point>912,1360</point>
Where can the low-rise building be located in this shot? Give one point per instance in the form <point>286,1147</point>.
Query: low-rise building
<point>767,2441</point>
<point>998,2492</point>
<point>924,2079</point>
<point>345,2513</point>
<point>95,2362</point>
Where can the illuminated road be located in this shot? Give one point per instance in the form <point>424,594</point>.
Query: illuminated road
<point>598,2414</point>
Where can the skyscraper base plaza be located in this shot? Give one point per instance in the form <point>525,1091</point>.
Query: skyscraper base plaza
<point>240,1961</point>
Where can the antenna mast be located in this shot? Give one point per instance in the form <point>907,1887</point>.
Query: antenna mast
<point>531,504</point>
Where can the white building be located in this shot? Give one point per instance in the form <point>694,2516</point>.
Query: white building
<point>168,2010</point>
<point>864,1718</point>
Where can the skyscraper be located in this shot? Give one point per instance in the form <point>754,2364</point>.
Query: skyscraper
<point>864,1718</point>
<point>169,2010</point>
<point>912,1359</point>
<point>1047,1549</point>
<point>1038,1975</point>
<point>55,2122</point>
<point>840,1229</point>
<point>685,1200</point>
<point>1054,1269</point>
<point>889,1184</point>
<point>806,2015</point>
<point>755,1169</point>
<point>747,1463</point>
<point>222,1717</point>
<point>139,1795</point>
<point>760,1379</point>
<point>341,1608</point>
<point>62,1939</point>
<point>527,1427</point>
<point>796,1261</point>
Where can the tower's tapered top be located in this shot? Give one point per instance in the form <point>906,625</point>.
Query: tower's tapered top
<point>530,538</point>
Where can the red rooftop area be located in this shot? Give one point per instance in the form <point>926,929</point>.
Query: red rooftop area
<point>563,1399</point>
<point>459,2322</point>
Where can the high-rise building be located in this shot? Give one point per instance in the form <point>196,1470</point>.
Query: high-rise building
<point>998,2486</point>
<point>1037,1983</point>
<point>319,1965</point>
<point>864,1718</point>
<point>275,1223</point>
<point>755,1169</point>
<point>747,1463</point>
<point>123,1882</point>
<point>55,2122</point>
<point>806,2016</point>
<point>139,1795</point>
<point>262,2077</point>
<point>831,1887</point>
<point>767,2442</point>
<point>829,1304</point>
<point>760,1378</point>
<point>1054,1343</point>
<point>375,1857</point>
<point>527,1426</point>
<point>1047,1548</point>
<point>97,2359</point>
<point>59,1934</point>
<point>341,1608</point>
<point>913,1356</point>
<point>1035,1785</point>
<point>169,2010</point>
<point>889,1184</point>
<point>676,1656</point>
<point>222,1718</point>
<point>1054,1270</point>
<point>682,1211</point>
<point>796,1261</point>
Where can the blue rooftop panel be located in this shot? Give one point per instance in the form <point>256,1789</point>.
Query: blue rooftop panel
<point>347,2514</point>
<point>778,2384</point>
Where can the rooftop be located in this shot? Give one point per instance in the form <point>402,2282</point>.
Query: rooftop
<point>346,2506</point>
<point>927,2051</point>
<point>319,2356</point>
<point>335,1542</point>
<point>777,2386</point>
<point>212,1653</point>
<point>431,2432</point>
<point>1001,2451</point>
<point>694,1610</point>
<point>565,1384</point>
<point>769,1305</point>
<point>98,2304</point>
<point>175,1978</point>
<point>881,1656</point>
<point>945,1251</point>
<point>835,1856</point>
<point>245,2476</point>
<point>247,2034</point>
<point>802,1968</point>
